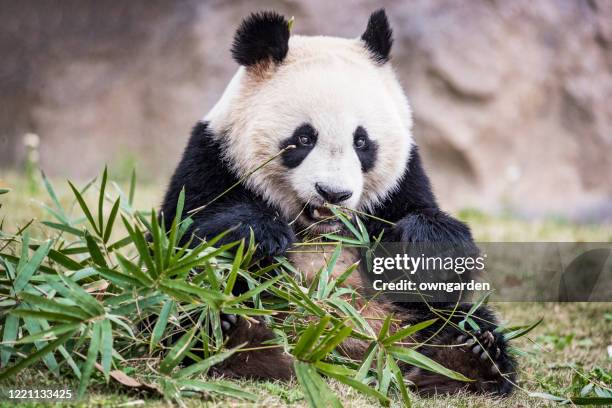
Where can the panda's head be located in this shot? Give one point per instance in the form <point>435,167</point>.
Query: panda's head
<point>333,106</point>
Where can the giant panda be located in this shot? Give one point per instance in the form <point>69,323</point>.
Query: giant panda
<point>329,118</point>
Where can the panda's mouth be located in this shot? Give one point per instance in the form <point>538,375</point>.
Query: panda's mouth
<point>320,214</point>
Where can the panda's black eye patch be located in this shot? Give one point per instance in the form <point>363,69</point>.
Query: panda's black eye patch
<point>304,139</point>
<point>365,148</point>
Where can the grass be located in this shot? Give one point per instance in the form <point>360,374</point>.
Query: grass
<point>572,340</point>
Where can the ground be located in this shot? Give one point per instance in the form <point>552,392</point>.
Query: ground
<point>573,336</point>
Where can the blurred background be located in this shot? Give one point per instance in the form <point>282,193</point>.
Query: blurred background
<point>512,99</point>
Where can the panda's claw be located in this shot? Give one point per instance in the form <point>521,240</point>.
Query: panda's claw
<point>228,322</point>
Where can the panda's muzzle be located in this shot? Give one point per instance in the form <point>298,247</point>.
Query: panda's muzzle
<point>332,195</point>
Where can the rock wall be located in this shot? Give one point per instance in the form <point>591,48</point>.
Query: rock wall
<point>512,100</point>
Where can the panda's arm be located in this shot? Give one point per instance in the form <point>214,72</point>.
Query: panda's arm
<point>413,210</point>
<point>205,177</point>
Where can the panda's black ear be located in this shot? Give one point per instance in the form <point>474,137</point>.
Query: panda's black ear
<point>378,37</point>
<point>261,36</point>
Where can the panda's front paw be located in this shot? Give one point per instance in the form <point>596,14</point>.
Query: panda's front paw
<point>431,225</point>
<point>274,240</point>
<point>487,345</point>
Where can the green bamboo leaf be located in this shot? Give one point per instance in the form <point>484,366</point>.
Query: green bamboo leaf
<point>73,291</point>
<point>40,314</point>
<point>417,359</point>
<point>134,270</point>
<point>331,342</point>
<point>35,326</point>
<point>92,354</point>
<point>346,222</point>
<point>56,202</point>
<point>50,334</point>
<point>160,324</point>
<point>316,391</point>
<point>356,318</point>
<point>351,382</point>
<point>231,279</point>
<point>399,381</point>
<point>218,387</point>
<point>175,234</point>
<point>366,366</point>
<point>143,250</point>
<point>111,221</point>
<point>101,200</point>
<point>407,331</point>
<point>202,367</point>
<point>120,279</point>
<point>521,331</point>
<point>25,273</point>
<point>64,260</point>
<point>9,335</point>
<point>54,306</point>
<point>84,208</point>
<point>310,336</point>
<point>256,290</point>
<point>106,351</point>
<point>385,328</point>
<point>322,287</point>
<point>10,372</point>
<point>95,252</point>
<point>65,228</point>
<point>4,190</point>
<point>209,296</point>
<point>157,233</point>
<point>176,354</point>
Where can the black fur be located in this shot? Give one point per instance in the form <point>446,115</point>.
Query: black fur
<point>368,153</point>
<point>378,37</point>
<point>261,36</point>
<point>204,175</point>
<point>293,157</point>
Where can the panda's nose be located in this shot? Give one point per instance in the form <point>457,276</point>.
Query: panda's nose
<point>332,195</point>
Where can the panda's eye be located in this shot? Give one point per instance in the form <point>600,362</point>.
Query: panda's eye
<point>360,141</point>
<point>305,140</point>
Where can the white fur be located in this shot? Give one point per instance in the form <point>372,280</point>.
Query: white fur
<point>332,84</point>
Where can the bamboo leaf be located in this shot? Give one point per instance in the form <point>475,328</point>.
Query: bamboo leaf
<point>160,324</point>
<point>231,279</point>
<point>25,273</point>
<point>176,354</point>
<point>521,331</point>
<point>54,306</point>
<point>407,331</point>
<point>92,354</point>
<point>106,352</point>
<point>34,357</point>
<point>50,334</point>
<point>101,200</point>
<point>316,391</point>
<point>417,359</point>
<point>84,208</point>
<point>64,260</point>
<point>218,387</point>
<point>11,325</point>
<point>351,382</point>
<point>203,366</point>
<point>111,221</point>
<point>94,251</point>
